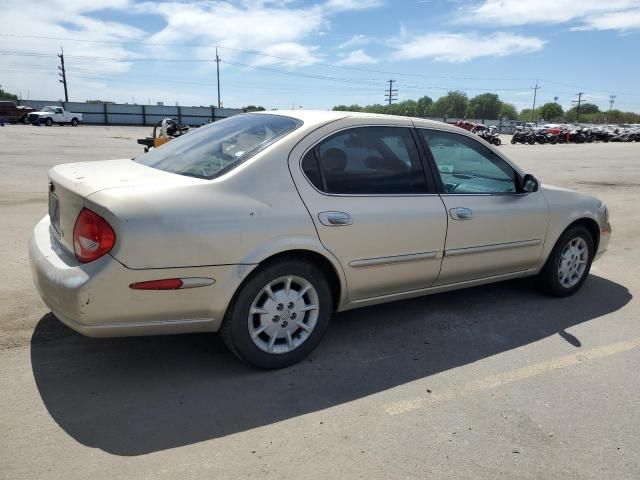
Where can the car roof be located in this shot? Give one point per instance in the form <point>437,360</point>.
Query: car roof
<point>319,117</point>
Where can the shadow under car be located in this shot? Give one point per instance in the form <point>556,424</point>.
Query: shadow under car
<point>132,396</point>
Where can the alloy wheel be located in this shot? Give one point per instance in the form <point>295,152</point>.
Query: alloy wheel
<point>573,262</point>
<point>283,314</point>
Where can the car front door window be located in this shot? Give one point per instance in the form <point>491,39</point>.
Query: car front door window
<point>467,167</point>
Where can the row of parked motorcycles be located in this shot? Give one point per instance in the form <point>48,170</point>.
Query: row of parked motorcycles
<point>575,135</point>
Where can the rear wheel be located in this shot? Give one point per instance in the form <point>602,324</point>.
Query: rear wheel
<point>568,265</point>
<point>279,315</point>
<point>74,122</point>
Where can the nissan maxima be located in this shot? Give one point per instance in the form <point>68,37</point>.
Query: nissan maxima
<point>260,226</point>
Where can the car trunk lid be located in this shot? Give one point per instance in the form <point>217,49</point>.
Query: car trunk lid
<point>70,184</point>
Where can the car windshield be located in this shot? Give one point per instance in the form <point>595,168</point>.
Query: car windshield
<point>47,109</point>
<point>212,150</point>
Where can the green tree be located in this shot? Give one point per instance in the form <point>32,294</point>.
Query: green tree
<point>4,95</point>
<point>525,115</point>
<point>507,110</point>
<point>406,108</point>
<point>376,108</point>
<point>585,110</point>
<point>348,108</point>
<point>551,111</point>
<point>485,106</point>
<point>423,105</point>
<point>452,105</point>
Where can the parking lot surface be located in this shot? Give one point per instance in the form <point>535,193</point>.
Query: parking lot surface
<point>493,382</point>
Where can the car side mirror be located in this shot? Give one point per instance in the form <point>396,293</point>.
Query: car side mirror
<point>530,183</point>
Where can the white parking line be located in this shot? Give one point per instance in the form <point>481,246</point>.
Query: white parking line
<point>494,381</point>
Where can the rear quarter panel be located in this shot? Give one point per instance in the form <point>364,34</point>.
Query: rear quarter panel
<point>243,217</point>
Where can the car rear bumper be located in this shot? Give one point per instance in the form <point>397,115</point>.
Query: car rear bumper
<point>95,299</point>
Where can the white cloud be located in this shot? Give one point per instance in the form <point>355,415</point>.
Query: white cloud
<point>251,26</point>
<point>462,47</point>
<point>522,12</point>
<point>340,5</point>
<point>39,74</point>
<point>357,57</point>
<point>622,21</point>
<point>280,28</point>
<point>290,54</point>
<point>355,41</point>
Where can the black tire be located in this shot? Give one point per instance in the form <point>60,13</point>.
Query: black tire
<point>531,140</point>
<point>74,122</point>
<point>513,141</point>
<point>497,142</point>
<point>235,327</point>
<point>48,122</point>
<point>548,278</point>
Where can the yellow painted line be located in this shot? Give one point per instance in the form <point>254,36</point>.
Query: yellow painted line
<point>500,379</point>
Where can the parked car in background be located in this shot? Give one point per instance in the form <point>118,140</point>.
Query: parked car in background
<point>10,112</point>
<point>261,225</point>
<point>53,114</point>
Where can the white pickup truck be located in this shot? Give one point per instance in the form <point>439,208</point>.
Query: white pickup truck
<point>54,114</point>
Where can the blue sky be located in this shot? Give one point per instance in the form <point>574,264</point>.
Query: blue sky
<point>317,54</point>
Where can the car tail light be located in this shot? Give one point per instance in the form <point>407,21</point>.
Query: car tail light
<point>92,236</point>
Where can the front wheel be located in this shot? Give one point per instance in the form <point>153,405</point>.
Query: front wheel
<point>48,122</point>
<point>568,265</point>
<point>279,315</point>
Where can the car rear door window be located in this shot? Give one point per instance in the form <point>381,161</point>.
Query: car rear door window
<point>466,166</point>
<point>367,161</point>
<point>214,149</point>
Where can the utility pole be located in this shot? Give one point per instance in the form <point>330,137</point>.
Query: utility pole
<point>579,102</point>
<point>218,76</point>
<point>535,94</point>
<point>63,74</point>
<point>555,99</point>
<point>612,100</point>
<point>391,95</point>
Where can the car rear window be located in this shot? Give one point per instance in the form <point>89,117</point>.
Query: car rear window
<point>212,150</point>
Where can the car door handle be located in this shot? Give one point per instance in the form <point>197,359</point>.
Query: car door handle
<point>335,219</point>
<point>461,213</point>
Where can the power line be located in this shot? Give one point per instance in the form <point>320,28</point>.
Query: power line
<point>262,54</point>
